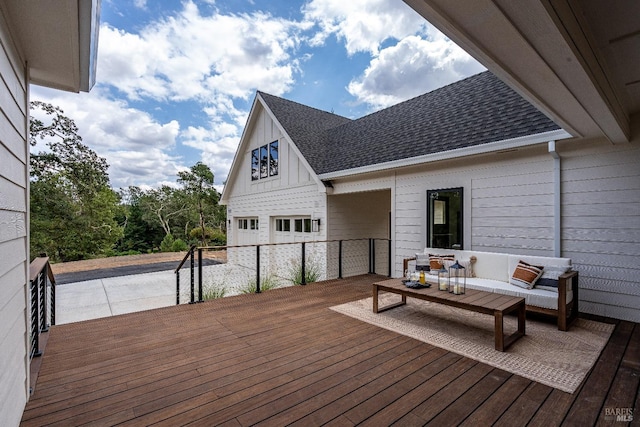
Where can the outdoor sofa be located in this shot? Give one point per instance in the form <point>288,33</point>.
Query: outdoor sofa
<point>554,293</point>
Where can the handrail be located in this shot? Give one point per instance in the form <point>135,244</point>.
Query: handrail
<point>39,273</point>
<point>186,257</point>
<point>191,254</point>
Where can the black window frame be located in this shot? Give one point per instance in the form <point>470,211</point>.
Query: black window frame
<point>432,196</point>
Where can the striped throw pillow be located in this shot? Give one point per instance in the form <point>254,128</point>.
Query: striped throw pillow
<point>525,275</point>
<point>436,261</point>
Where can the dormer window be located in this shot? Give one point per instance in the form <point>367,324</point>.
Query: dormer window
<point>264,161</point>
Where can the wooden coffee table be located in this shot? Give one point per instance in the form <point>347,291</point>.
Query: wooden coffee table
<point>491,303</point>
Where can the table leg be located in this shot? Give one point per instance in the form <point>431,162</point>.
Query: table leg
<point>501,341</point>
<point>378,309</point>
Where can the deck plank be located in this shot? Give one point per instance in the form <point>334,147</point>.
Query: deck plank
<point>282,357</point>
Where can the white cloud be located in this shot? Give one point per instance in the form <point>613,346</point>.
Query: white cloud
<point>135,145</point>
<point>410,68</point>
<point>193,56</point>
<point>363,25</point>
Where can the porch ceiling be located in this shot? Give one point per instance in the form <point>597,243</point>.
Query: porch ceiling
<point>577,61</point>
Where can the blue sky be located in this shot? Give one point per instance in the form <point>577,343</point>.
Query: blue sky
<point>176,79</point>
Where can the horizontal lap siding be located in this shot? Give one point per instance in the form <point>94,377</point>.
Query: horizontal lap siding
<point>601,226</point>
<point>13,233</point>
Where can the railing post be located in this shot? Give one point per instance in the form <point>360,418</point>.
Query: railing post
<point>372,256</point>
<point>340,259</point>
<point>35,321</point>
<point>42,279</point>
<point>193,297</point>
<point>389,275</point>
<point>303,272</point>
<point>257,269</point>
<point>178,287</point>
<point>200,275</point>
<point>53,302</point>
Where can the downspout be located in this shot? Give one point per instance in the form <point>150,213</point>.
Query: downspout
<point>557,200</point>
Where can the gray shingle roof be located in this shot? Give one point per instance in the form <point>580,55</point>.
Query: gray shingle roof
<point>473,111</point>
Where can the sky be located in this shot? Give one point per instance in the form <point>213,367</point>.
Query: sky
<point>176,79</point>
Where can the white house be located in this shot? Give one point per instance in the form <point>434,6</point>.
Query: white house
<point>51,44</point>
<point>487,163</point>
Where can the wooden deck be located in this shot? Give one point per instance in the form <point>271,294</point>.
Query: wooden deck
<point>282,357</point>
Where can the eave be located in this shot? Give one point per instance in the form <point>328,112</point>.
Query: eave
<point>59,40</point>
<point>566,57</point>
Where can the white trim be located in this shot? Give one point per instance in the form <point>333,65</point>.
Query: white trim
<point>507,144</point>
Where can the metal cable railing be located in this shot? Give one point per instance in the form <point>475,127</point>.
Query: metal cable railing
<point>43,301</point>
<point>295,262</point>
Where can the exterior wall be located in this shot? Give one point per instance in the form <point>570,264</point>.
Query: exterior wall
<point>14,358</point>
<point>509,208</point>
<point>360,215</point>
<point>291,193</point>
<point>601,225</point>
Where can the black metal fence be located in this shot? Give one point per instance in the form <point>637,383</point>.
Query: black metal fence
<point>337,258</point>
<point>43,301</point>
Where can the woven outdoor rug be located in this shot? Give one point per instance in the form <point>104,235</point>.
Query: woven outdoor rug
<point>545,354</point>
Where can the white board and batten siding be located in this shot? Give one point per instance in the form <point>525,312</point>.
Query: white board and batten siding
<point>14,348</point>
<point>293,192</point>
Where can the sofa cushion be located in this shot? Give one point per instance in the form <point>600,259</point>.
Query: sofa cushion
<point>525,275</point>
<point>550,276</point>
<point>533,297</point>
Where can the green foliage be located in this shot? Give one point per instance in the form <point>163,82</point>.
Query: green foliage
<point>76,215</point>
<point>213,292</point>
<point>266,284</point>
<point>197,184</point>
<point>179,245</point>
<point>311,271</point>
<point>214,236</point>
<point>167,243</point>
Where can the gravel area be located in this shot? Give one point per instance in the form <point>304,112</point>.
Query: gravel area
<point>123,261</point>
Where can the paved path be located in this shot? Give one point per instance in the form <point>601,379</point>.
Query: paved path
<point>110,292</point>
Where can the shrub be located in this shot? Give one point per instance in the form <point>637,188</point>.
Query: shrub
<point>167,243</point>
<point>179,245</point>
<point>311,272</point>
<point>267,283</point>
<point>213,292</point>
<point>214,236</point>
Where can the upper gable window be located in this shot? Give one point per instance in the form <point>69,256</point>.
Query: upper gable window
<point>264,161</point>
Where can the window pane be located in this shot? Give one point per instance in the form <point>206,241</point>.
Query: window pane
<point>255,162</point>
<point>240,224</point>
<point>273,158</point>
<point>298,225</point>
<point>286,225</point>
<point>445,218</point>
<point>278,225</point>
<point>253,224</point>
<point>307,225</point>
<point>264,162</point>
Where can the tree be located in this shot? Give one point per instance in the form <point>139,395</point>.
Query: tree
<point>73,209</point>
<point>198,186</point>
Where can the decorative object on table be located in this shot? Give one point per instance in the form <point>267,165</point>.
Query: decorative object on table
<point>422,262</point>
<point>415,285</point>
<point>457,279</point>
<point>443,279</point>
<point>422,278</point>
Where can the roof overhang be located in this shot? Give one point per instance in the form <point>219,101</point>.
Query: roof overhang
<point>490,147</point>
<point>576,61</point>
<point>59,40</point>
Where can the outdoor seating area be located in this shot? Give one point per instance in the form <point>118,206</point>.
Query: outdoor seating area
<point>285,357</point>
<point>548,284</point>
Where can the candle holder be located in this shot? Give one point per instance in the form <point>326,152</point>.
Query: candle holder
<point>457,279</point>
<point>443,279</point>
